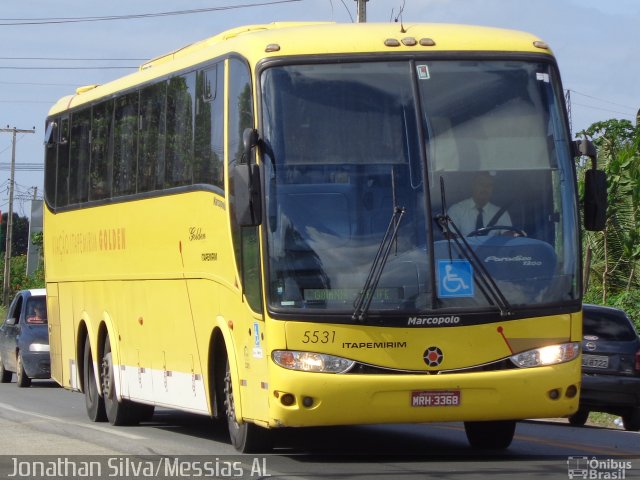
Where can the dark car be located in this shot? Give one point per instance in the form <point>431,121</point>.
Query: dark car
<point>610,366</point>
<point>24,339</point>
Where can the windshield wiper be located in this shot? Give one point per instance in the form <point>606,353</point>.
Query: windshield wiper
<point>485,280</point>
<point>365,297</point>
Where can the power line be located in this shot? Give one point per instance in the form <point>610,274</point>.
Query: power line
<point>38,84</point>
<point>600,99</point>
<point>54,20</point>
<point>74,59</point>
<point>603,109</point>
<point>119,67</point>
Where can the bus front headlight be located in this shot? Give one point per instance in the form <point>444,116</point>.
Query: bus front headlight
<point>311,361</point>
<point>549,355</point>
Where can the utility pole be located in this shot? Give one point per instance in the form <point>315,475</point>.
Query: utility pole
<point>362,11</point>
<point>7,251</point>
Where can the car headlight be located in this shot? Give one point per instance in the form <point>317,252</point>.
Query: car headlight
<point>311,362</point>
<point>39,347</point>
<point>549,355</point>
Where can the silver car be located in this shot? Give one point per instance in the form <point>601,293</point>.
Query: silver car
<point>24,339</point>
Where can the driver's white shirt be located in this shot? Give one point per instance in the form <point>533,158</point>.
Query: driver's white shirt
<point>465,213</point>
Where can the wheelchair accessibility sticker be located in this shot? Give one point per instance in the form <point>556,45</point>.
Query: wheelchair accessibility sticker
<point>455,279</point>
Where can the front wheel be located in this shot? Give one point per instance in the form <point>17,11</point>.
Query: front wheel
<point>245,437</point>
<point>579,418</point>
<point>496,435</point>
<point>21,376</point>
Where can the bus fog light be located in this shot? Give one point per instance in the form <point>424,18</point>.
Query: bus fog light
<point>571,392</point>
<point>288,399</point>
<point>554,394</point>
<point>311,361</point>
<point>307,401</point>
<point>549,355</point>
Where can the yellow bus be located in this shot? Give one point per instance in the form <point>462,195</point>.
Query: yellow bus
<point>261,227</point>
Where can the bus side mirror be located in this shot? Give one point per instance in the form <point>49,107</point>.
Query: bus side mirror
<point>595,200</point>
<point>595,188</point>
<point>247,184</point>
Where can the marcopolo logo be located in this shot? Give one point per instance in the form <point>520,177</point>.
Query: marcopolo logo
<point>434,321</point>
<point>433,356</point>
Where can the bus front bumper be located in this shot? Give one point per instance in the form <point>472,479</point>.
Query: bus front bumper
<point>313,399</point>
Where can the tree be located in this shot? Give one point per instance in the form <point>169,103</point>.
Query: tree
<point>615,252</point>
<point>20,237</point>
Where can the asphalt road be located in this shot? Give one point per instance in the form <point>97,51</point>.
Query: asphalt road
<point>47,422</point>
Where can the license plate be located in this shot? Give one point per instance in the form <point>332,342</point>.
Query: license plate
<point>435,398</point>
<point>595,361</point>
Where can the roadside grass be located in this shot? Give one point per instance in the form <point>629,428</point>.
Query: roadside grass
<point>602,419</point>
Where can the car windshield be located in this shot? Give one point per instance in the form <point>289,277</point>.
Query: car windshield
<point>608,325</point>
<point>347,144</point>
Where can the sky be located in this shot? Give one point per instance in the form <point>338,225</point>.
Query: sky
<point>596,44</point>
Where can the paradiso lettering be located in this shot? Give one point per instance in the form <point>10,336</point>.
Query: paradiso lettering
<point>108,239</point>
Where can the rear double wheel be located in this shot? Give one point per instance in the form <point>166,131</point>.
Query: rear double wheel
<point>119,412</point>
<point>94,403</point>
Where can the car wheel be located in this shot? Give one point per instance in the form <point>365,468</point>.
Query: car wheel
<point>631,421</point>
<point>579,418</point>
<point>22,379</point>
<point>5,375</point>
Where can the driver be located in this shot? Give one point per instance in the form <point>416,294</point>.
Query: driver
<point>478,212</point>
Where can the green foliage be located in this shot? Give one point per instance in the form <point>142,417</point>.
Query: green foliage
<point>20,236</point>
<point>615,252</point>
<point>19,279</point>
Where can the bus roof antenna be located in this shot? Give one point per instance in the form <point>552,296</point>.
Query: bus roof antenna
<point>399,17</point>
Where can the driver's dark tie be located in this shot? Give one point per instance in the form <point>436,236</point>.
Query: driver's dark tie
<point>479,219</point>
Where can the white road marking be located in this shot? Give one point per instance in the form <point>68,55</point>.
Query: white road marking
<point>110,431</point>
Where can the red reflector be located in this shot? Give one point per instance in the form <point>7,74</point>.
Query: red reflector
<point>638,361</point>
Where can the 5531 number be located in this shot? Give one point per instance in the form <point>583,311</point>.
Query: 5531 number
<point>319,336</point>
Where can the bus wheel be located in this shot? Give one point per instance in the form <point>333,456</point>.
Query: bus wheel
<point>92,399</point>
<point>21,376</point>
<point>496,435</point>
<point>121,412</point>
<point>579,418</point>
<point>5,375</point>
<point>245,437</point>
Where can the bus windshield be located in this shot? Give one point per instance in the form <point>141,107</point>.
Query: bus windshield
<point>475,152</point>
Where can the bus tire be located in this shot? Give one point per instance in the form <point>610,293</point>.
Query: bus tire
<point>631,420</point>
<point>94,403</point>
<point>5,375</point>
<point>495,435</point>
<point>245,437</point>
<point>119,412</point>
<point>22,379</point>
<point>579,418</point>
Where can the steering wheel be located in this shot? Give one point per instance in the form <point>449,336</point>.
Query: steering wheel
<point>485,230</point>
